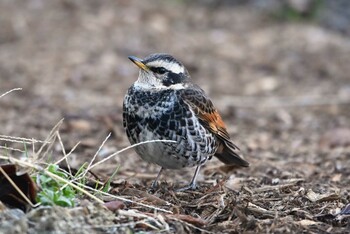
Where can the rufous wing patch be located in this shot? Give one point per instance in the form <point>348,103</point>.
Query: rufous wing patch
<point>210,119</point>
<point>206,112</point>
<point>215,123</point>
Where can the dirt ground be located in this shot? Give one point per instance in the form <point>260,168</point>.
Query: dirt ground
<point>282,87</point>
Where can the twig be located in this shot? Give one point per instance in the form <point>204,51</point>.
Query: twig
<point>257,209</point>
<point>134,214</point>
<point>20,139</point>
<point>48,140</point>
<point>10,91</point>
<point>67,155</point>
<point>93,158</point>
<point>128,224</point>
<point>12,149</point>
<point>123,199</point>
<point>190,225</point>
<point>127,148</point>
<point>290,183</point>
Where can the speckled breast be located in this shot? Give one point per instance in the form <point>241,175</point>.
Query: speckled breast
<point>163,115</point>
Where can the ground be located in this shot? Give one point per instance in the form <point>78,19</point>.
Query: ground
<point>281,85</point>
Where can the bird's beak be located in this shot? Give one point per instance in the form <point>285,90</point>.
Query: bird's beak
<point>138,63</point>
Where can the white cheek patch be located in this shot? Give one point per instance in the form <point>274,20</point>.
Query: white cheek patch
<point>171,66</point>
<point>177,86</point>
<point>147,81</point>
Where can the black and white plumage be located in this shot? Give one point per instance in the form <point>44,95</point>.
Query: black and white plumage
<point>164,105</point>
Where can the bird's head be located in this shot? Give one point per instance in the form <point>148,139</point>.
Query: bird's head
<point>160,71</point>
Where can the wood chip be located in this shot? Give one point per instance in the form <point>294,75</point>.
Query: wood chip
<point>146,196</point>
<point>259,210</point>
<point>114,205</point>
<point>286,184</point>
<point>188,219</point>
<point>306,222</point>
<point>316,197</point>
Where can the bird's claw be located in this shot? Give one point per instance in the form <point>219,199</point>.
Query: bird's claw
<point>192,186</point>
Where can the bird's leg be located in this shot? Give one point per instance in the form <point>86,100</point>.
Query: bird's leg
<point>192,185</point>
<point>154,183</point>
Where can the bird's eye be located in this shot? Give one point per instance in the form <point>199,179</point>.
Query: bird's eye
<point>159,70</point>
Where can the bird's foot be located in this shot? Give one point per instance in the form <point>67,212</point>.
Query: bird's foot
<point>191,186</point>
<point>154,186</point>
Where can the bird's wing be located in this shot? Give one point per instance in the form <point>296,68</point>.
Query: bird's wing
<point>204,109</point>
<point>209,117</point>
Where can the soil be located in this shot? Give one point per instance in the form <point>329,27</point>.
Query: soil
<point>281,86</point>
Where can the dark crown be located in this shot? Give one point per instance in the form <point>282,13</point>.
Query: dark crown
<point>161,57</point>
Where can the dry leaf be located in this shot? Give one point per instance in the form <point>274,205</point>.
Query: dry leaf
<point>114,205</point>
<point>9,194</point>
<point>306,222</point>
<point>316,197</point>
<point>234,183</point>
<point>336,177</point>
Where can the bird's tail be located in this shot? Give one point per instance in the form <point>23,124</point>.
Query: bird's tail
<point>228,154</point>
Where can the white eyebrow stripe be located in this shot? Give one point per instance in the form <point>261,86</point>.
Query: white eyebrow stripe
<point>171,66</point>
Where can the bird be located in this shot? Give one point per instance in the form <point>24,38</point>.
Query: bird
<point>185,129</point>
